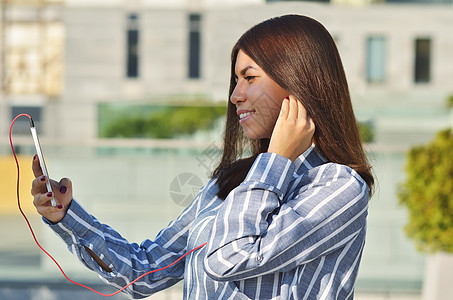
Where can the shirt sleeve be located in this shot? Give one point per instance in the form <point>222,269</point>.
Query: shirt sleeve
<point>273,222</point>
<point>78,229</point>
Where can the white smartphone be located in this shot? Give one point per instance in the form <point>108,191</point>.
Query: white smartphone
<point>42,163</point>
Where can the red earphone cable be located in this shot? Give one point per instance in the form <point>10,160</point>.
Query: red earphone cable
<point>50,256</point>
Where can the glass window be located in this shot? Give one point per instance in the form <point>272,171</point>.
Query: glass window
<point>22,125</point>
<point>194,58</point>
<point>376,59</point>
<point>297,0</point>
<point>132,39</point>
<point>422,60</point>
<point>420,1</point>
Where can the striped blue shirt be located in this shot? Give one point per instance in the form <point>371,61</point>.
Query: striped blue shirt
<point>290,230</point>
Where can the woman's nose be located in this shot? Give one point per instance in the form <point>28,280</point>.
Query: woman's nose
<point>237,96</point>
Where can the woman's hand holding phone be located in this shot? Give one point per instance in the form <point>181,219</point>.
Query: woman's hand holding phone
<point>62,191</point>
<point>293,131</point>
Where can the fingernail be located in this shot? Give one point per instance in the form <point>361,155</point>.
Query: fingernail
<point>43,178</point>
<point>287,98</point>
<point>60,206</point>
<point>35,157</point>
<point>63,189</point>
<point>49,194</point>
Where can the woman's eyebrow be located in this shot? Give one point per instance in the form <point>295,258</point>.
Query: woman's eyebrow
<point>246,69</point>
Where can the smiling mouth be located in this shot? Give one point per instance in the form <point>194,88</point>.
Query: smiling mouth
<point>245,116</point>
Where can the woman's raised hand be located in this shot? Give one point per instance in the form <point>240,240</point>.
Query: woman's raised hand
<point>293,131</point>
<point>62,191</point>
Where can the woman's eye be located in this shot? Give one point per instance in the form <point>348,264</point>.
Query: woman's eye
<point>248,78</point>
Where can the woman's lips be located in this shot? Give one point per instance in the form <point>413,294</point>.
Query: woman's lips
<point>244,116</point>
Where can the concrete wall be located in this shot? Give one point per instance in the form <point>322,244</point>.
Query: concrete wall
<point>95,56</point>
<point>403,113</point>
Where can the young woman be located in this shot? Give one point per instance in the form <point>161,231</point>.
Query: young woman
<point>289,221</point>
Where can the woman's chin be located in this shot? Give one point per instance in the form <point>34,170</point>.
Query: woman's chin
<point>253,135</point>
<point>249,134</point>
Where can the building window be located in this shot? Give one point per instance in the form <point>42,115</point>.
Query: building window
<point>422,60</point>
<point>297,0</point>
<point>194,58</point>
<point>22,125</point>
<point>376,59</point>
<point>132,39</point>
<point>420,1</point>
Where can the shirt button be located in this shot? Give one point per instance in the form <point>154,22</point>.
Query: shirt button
<point>259,258</point>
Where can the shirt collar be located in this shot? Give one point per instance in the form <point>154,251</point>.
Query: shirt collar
<point>312,157</point>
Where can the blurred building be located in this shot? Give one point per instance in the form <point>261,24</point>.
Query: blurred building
<point>31,57</point>
<point>61,59</point>
<point>396,55</point>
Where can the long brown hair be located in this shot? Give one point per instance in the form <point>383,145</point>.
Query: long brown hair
<point>299,54</point>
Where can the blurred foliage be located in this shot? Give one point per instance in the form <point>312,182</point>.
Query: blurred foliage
<point>428,194</point>
<point>450,101</point>
<point>166,122</point>
<point>366,132</point>
<point>161,122</point>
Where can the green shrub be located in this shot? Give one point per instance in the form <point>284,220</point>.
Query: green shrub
<point>163,122</point>
<point>366,132</point>
<point>450,101</point>
<point>147,121</point>
<point>428,194</point>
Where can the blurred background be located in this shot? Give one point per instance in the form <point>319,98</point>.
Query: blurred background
<point>128,97</point>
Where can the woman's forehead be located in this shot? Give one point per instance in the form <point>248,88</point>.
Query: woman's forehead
<point>244,63</point>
